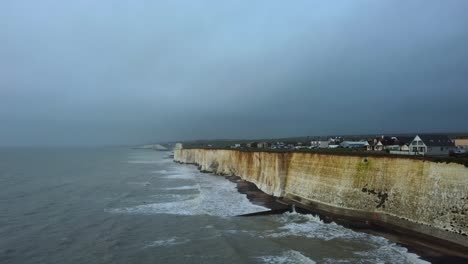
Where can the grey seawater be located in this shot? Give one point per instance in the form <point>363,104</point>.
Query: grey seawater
<point>119,205</point>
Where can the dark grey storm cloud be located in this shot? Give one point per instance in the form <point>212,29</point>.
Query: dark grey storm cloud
<point>105,72</point>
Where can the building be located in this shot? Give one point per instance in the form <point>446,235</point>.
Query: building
<point>314,143</point>
<point>320,143</point>
<point>252,144</point>
<point>263,145</point>
<point>324,143</point>
<point>403,142</point>
<point>396,144</point>
<point>277,145</point>
<point>375,146</point>
<point>354,144</point>
<point>431,145</point>
<point>404,147</point>
<point>335,140</point>
<point>400,145</point>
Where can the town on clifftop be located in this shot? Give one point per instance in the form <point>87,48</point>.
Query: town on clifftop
<point>431,145</point>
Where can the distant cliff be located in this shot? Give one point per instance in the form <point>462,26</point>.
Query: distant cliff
<point>425,196</point>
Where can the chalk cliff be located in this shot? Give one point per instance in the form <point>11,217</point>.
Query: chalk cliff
<point>428,197</point>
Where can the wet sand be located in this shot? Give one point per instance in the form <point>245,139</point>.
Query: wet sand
<point>428,248</point>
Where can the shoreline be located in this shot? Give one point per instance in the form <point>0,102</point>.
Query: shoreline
<point>426,247</point>
<point>425,197</point>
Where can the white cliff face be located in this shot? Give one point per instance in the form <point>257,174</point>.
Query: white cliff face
<point>423,192</point>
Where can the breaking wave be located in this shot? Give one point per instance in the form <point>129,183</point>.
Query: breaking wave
<point>216,196</point>
<point>310,226</point>
<point>178,176</point>
<point>206,194</point>
<point>287,257</point>
<point>187,187</point>
<point>167,242</point>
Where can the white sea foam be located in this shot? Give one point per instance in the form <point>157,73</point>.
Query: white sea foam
<point>385,254</point>
<point>334,261</point>
<point>310,226</point>
<point>179,176</point>
<point>388,252</point>
<point>160,171</point>
<point>287,257</point>
<point>185,207</point>
<point>173,197</point>
<point>187,187</point>
<point>167,242</point>
<point>217,196</point>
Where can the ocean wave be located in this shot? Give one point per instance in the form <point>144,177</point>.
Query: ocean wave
<point>311,226</point>
<point>179,176</point>
<point>185,207</point>
<point>388,252</point>
<point>186,187</point>
<point>167,242</point>
<point>173,197</point>
<point>216,196</point>
<point>381,249</point>
<point>160,171</point>
<point>287,257</point>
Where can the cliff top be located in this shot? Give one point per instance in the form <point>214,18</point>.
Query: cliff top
<point>341,152</point>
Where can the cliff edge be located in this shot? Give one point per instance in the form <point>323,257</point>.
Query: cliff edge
<point>427,197</point>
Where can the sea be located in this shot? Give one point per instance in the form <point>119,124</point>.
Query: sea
<point>123,205</point>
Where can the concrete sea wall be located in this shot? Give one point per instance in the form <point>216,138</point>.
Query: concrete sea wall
<point>424,196</point>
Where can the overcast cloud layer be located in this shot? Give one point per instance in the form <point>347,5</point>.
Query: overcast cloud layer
<point>111,72</point>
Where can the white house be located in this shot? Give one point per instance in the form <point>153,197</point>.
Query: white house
<point>404,148</point>
<point>432,145</point>
<point>324,143</point>
<point>320,143</point>
<point>378,146</point>
<point>314,143</point>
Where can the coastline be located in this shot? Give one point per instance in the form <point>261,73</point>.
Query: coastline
<point>427,248</point>
<point>422,196</point>
<point>417,204</point>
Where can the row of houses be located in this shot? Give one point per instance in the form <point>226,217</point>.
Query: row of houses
<point>422,144</point>
<point>267,145</point>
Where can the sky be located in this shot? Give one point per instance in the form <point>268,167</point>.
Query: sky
<point>129,72</point>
